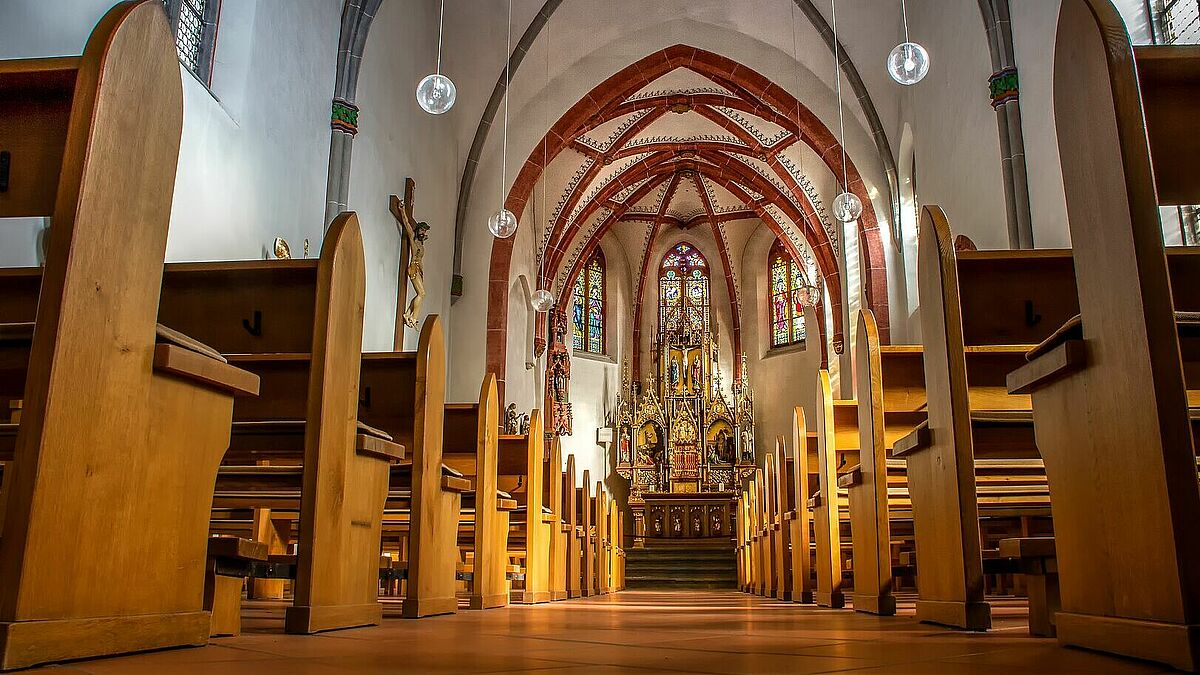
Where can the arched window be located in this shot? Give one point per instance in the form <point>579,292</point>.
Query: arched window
<point>787,298</point>
<point>588,310</point>
<point>194,23</point>
<point>683,290</point>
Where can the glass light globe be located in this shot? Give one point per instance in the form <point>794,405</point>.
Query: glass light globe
<point>436,94</point>
<point>908,63</point>
<point>542,300</point>
<point>847,207</point>
<point>503,224</point>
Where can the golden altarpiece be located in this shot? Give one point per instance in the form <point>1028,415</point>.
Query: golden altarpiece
<point>683,444</point>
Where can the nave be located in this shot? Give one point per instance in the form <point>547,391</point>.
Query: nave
<point>633,632</point>
<point>903,450</point>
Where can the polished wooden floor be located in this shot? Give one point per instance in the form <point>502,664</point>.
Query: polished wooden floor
<point>634,632</point>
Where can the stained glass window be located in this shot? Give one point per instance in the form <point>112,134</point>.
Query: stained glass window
<point>683,289</point>
<point>194,23</point>
<point>588,307</point>
<point>787,301</point>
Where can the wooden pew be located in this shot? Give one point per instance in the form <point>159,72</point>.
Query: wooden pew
<point>739,549</point>
<point>974,330</point>
<point>522,463</point>
<point>587,535</point>
<point>600,520</point>
<point>824,505</point>
<point>572,519</point>
<point>771,522</point>
<point>471,447</point>
<point>304,341</point>
<point>554,500</point>
<point>403,392</point>
<point>868,494</point>
<point>1112,391</point>
<point>785,509</point>
<point>761,555</point>
<point>121,425</point>
<point>801,560</point>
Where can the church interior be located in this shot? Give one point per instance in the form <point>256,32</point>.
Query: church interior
<point>751,336</point>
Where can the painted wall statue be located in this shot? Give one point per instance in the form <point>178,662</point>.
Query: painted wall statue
<point>558,376</point>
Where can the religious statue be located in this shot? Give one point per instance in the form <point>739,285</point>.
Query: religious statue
<point>512,421</point>
<point>523,425</point>
<point>696,371</point>
<point>558,376</point>
<point>415,234</point>
<point>673,374</point>
<point>282,251</point>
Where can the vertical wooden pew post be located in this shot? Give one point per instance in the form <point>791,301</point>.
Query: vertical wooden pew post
<point>489,585</point>
<point>869,497</point>
<point>558,537</point>
<point>584,497</point>
<point>783,567</point>
<point>600,517</point>
<point>825,509</point>
<point>771,522</point>
<point>432,556</point>
<point>571,515</point>
<point>758,506</point>
<point>337,571</point>
<point>941,477</point>
<point>803,586</point>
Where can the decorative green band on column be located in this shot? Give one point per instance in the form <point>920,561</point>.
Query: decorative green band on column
<point>1005,87</point>
<point>345,117</point>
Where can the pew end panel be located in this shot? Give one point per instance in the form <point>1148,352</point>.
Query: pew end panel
<point>869,525</point>
<point>1118,424</point>
<point>803,584</point>
<point>97,415</point>
<point>941,475</point>
<point>433,541</point>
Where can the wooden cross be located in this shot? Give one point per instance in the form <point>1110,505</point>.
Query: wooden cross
<point>401,209</point>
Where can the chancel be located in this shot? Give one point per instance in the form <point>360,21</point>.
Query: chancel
<point>714,336</point>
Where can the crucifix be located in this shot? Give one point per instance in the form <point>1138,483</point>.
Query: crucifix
<point>412,251</point>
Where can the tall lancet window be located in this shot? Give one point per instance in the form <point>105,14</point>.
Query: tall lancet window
<point>787,301</point>
<point>588,308</point>
<point>194,23</point>
<point>683,290</point>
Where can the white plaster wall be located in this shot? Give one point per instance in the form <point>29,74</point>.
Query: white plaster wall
<point>397,140</point>
<point>255,149</point>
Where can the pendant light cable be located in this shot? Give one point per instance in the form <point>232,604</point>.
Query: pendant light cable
<point>441,18</point>
<point>507,86</point>
<point>837,71</point>
<point>904,13</point>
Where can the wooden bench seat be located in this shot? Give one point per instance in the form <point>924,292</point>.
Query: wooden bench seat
<point>119,434</point>
<point>521,468</point>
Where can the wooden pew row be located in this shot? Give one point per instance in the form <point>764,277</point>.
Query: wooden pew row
<point>980,311</point>
<point>573,517</point>
<point>298,325</point>
<point>1113,391</point>
<point>586,530</point>
<point>1010,493</point>
<point>105,396</point>
<point>522,473</point>
<point>553,497</point>
<point>471,448</point>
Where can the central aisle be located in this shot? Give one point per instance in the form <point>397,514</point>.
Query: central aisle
<point>636,632</point>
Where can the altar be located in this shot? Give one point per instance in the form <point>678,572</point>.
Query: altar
<point>685,445</point>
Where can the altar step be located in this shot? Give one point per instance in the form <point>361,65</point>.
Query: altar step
<point>680,567</point>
